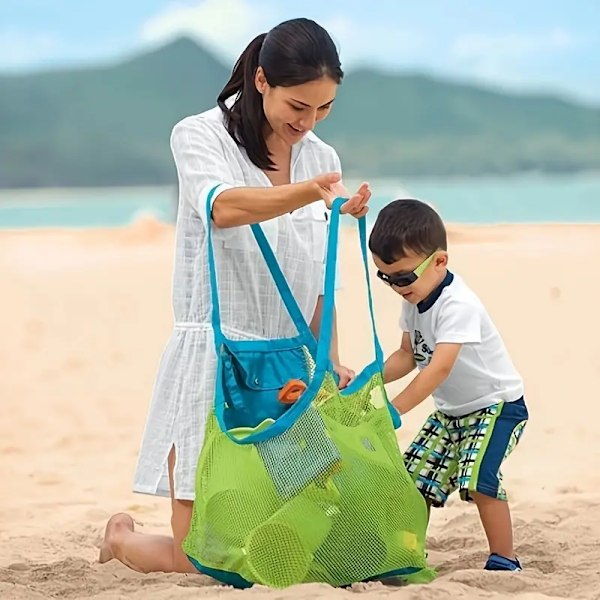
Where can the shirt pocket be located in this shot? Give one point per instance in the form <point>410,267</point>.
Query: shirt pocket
<point>242,239</point>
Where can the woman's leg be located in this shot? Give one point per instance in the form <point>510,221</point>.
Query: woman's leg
<point>150,553</point>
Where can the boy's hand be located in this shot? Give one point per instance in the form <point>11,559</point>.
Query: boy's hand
<point>345,374</point>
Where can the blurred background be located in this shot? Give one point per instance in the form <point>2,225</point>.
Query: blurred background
<point>489,110</point>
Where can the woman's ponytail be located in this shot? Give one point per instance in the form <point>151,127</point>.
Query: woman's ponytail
<point>245,118</point>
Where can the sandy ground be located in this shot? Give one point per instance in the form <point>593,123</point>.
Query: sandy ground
<point>84,319</point>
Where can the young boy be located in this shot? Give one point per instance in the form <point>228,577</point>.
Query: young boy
<point>462,362</point>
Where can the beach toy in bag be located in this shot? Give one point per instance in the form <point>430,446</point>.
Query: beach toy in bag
<point>298,481</point>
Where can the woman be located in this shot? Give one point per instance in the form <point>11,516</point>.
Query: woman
<point>257,145</point>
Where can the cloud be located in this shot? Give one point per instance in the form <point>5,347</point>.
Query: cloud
<point>19,49</point>
<point>225,26</point>
<point>500,55</point>
<point>374,43</point>
<point>518,59</point>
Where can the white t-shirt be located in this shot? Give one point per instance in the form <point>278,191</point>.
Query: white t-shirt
<point>483,373</point>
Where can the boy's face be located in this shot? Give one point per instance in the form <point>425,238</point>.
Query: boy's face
<point>414,276</point>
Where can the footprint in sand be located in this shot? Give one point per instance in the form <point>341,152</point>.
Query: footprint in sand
<point>48,480</point>
<point>568,489</point>
<point>140,508</point>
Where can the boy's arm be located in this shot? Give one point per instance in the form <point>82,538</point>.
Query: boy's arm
<point>401,362</point>
<point>425,383</point>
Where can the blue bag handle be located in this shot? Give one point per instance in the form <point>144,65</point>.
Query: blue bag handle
<point>362,231</point>
<point>326,331</point>
<point>282,285</point>
<point>280,281</point>
<point>286,420</point>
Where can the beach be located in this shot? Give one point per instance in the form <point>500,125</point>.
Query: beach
<point>85,317</point>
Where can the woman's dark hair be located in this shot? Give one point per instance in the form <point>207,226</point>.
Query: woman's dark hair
<point>407,225</point>
<point>292,53</point>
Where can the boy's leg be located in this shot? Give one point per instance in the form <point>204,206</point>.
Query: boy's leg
<point>497,524</point>
<point>490,436</point>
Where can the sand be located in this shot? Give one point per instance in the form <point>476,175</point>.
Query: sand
<point>84,318</point>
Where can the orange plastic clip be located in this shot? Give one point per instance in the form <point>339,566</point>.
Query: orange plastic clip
<point>291,391</point>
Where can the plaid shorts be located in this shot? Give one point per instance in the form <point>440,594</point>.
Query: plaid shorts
<point>465,453</point>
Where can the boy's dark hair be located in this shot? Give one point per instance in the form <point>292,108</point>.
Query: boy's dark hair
<point>407,225</point>
<point>292,53</point>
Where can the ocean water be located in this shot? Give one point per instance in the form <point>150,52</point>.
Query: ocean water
<point>484,200</point>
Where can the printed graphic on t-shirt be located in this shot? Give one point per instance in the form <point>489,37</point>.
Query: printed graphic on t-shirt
<point>422,352</point>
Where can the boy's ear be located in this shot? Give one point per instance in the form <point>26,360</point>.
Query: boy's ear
<point>441,259</point>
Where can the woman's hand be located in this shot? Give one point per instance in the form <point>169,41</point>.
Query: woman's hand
<point>345,374</point>
<point>331,187</point>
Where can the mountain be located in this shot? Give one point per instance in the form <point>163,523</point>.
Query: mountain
<point>400,124</point>
<point>110,125</point>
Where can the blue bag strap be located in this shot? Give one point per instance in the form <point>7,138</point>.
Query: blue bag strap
<point>362,231</point>
<point>214,290</point>
<point>328,301</point>
<point>282,285</point>
<point>280,282</point>
<point>326,329</point>
<point>285,421</point>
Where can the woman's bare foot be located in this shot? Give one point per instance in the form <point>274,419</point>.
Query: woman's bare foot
<point>116,525</point>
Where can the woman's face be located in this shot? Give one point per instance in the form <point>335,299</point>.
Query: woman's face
<point>293,111</point>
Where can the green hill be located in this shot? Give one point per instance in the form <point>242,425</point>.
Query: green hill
<point>111,125</point>
<point>420,125</point>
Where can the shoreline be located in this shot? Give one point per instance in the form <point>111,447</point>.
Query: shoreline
<point>345,225</point>
<point>383,180</point>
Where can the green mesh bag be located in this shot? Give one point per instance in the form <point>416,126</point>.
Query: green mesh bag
<point>315,491</point>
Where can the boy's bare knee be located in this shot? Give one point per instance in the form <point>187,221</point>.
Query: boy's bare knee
<point>483,499</point>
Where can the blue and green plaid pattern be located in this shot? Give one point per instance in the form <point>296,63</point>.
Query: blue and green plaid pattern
<point>465,453</point>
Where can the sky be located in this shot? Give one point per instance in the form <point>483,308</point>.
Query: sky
<point>534,46</point>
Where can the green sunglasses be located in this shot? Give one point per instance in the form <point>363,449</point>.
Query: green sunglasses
<point>406,279</point>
